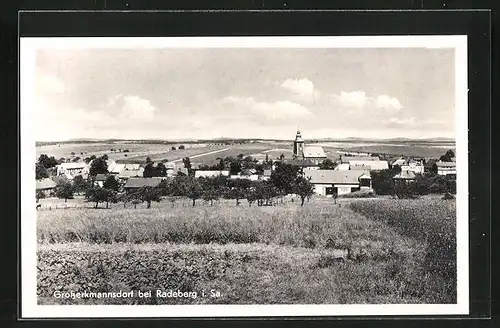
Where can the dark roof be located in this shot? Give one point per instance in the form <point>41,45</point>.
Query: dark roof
<point>299,162</point>
<point>142,182</point>
<point>44,184</point>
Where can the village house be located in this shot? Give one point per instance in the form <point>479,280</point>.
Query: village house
<point>372,162</point>
<point>266,176</point>
<point>133,184</point>
<point>315,154</point>
<point>71,170</point>
<point>446,168</point>
<point>329,182</point>
<point>46,186</point>
<point>413,166</point>
<point>210,173</point>
<point>126,174</point>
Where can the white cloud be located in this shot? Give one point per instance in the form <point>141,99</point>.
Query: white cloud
<point>49,84</point>
<point>133,107</point>
<point>303,88</point>
<point>357,99</point>
<point>388,103</point>
<point>271,110</point>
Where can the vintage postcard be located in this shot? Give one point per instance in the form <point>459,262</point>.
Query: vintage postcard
<point>244,176</point>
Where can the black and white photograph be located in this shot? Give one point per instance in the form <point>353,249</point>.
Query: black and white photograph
<point>247,175</point>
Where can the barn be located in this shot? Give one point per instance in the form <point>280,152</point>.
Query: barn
<point>134,184</point>
<point>45,185</point>
<point>329,182</point>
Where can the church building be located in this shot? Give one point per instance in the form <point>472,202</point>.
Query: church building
<point>314,154</point>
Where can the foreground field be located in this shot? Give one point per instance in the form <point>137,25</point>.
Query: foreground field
<point>251,255</point>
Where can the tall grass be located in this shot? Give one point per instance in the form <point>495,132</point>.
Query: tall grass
<point>430,220</point>
<point>310,226</point>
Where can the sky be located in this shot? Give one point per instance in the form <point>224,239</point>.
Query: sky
<point>244,93</point>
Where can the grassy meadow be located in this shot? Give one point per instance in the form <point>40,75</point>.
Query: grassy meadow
<point>251,255</point>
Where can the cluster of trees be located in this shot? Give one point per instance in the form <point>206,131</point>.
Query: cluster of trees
<point>447,157</point>
<point>428,183</point>
<point>43,165</point>
<point>284,180</point>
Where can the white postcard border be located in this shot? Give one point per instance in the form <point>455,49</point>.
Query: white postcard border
<point>29,306</point>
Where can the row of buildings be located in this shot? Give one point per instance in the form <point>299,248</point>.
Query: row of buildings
<point>351,173</point>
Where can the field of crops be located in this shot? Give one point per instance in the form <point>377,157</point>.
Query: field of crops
<point>403,150</point>
<point>234,151</point>
<point>172,155</point>
<point>252,255</point>
<point>431,220</point>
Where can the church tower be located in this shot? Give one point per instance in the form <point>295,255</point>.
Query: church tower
<point>298,146</point>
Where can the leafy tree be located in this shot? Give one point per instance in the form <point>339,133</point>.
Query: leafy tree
<point>149,170</point>
<point>220,165</point>
<point>173,148</point>
<point>327,164</point>
<point>101,195</point>
<point>111,183</point>
<point>383,182</point>
<point>64,190</point>
<point>148,160</point>
<point>73,153</point>
<point>41,172</point>
<point>235,167</point>
<point>149,194</point>
<point>161,170</point>
<point>267,158</point>
<point>98,166</point>
<point>304,188</point>
<point>181,147</point>
<point>283,178</point>
<point>89,159</point>
<point>39,195</point>
<point>447,157</point>
<point>46,161</point>
<point>105,157</point>
<point>404,190</point>
<point>76,159</point>
<point>187,162</point>
<point>194,190</point>
<point>282,156</point>
<point>80,184</point>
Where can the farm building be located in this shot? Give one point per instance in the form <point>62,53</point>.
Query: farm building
<point>71,170</point>
<point>413,166</point>
<point>372,162</point>
<point>329,182</point>
<point>349,159</point>
<point>119,167</point>
<point>446,168</point>
<point>126,174</point>
<point>266,176</point>
<point>208,174</point>
<point>133,184</point>
<point>315,154</point>
<point>399,162</point>
<point>45,185</point>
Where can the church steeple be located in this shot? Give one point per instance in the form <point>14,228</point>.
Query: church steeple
<point>298,145</point>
